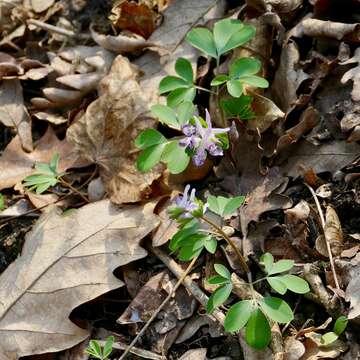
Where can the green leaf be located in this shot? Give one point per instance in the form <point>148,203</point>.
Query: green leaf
<point>149,137</point>
<point>210,245</point>
<point>44,168</point>
<point>170,83</point>
<point>254,80</point>
<point>218,297</point>
<point>276,283</point>
<point>224,206</point>
<point>189,252</point>
<point>328,338</point>
<point>222,271</point>
<point>340,325</point>
<point>150,157</point>
<point>183,69</point>
<point>267,260</point>
<point>219,79</point>
<point>238,107</point>
<point>217,280</point>
<point>2,202</point>
<point>295,283</point>
<point>258,333</point>
<point>281,266</point>
<point>178,96</point>
<point>202,39</point>
<point>232,204</point>
<point>43,187</point>
<point>182,234</point>
<point>108,346</point>
<point>185,112</point>
<point>244,66</point>
<point>235,88</point>
<point>166,115</point>
<point>175,157</point>
<point>54,162</point>
<point>223,31</point>
<point>276,309</point>
<point>239,38</point>
<point>95,347</point>
<point>238,315</point>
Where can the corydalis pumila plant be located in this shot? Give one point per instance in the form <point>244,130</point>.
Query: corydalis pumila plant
<point>198,232</point>
<point>201,139</point>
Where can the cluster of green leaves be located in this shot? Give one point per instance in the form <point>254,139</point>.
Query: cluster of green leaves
<point>189,241</point>
<point>47,175</point>
<point>94,349</point>
<point>339,327</point>
<point>180,89</point>
<point>223,206</point>
<point>283,282</point>
<point>254,314</point>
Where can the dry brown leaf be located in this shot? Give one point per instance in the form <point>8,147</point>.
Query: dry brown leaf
<point>279,6</point>
<point>330,156</point>
<point>264,197</point>
<point>105,133</point>
<point>288,77</point>
<point>333,232</point>
<point>16,164</point>
<point>121,43</point>
<point>294,349</point>
<point>320,28</point>
<point>314,350</point>
<point>353,74</point>
<point>41,5</point>
<point>195,354</point>
<point>85,248</point>
<point>13,112</point>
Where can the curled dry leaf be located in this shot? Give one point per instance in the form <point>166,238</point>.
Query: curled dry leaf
<point>41,5</point>
<point>279,6</point>
<point>331,29</point>
<point>121,43</point>
<point>105,133</point>
<point>294,349</point>
<point>288,77</point>
<point>16,164</point>
<point>195,354</point>
<point>333,232</point>
<point>353,74</point>
<point>85,248</point>
<point>13,112</point>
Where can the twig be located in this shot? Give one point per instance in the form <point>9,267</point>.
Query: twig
<point>195,291</point>
<point>155,314</point>
<point>322,218</point>
<point>58,30</point>
<point>74,190</point>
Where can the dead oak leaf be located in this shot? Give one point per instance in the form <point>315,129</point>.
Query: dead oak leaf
<point>105,133</point>
<point>353,74</point>
<point>16,164</point>
<point>13,113</point>
<point>66,261</point>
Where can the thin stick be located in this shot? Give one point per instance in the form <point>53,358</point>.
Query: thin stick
<point>195,291</point>
<point>74,190</point>
<point>322,218</point>
<point>58,30</point>
<point>155,314</point>
<point>242,260</point>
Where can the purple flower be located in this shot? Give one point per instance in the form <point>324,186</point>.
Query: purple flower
<point>202,139</point>
<point>187,203</point>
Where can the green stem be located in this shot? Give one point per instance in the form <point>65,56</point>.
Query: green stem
<point>241,258</point>
<point>218,94</point>
<point>203,89</point>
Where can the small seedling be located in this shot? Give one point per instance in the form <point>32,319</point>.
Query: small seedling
<point>94,349</point>
<point>47,175</point>
<point>331,336</point>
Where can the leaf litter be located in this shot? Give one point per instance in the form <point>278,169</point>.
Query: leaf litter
<point>79,80</point>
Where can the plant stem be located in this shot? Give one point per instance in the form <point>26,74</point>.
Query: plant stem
<point>332,265</point>
<point>218,94</point>
<point>155,314</point>
<point>241,258</point>
<point>206,90</point>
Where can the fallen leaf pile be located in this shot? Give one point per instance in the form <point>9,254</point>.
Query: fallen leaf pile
<point>78,78</point>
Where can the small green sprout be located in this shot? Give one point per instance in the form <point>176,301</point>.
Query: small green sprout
<point>94,349</point>
<point>331,336</point>
<point>47,175</point>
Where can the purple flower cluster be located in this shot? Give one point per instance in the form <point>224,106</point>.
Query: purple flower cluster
<point>187,202</point>
<point>201,139</point>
